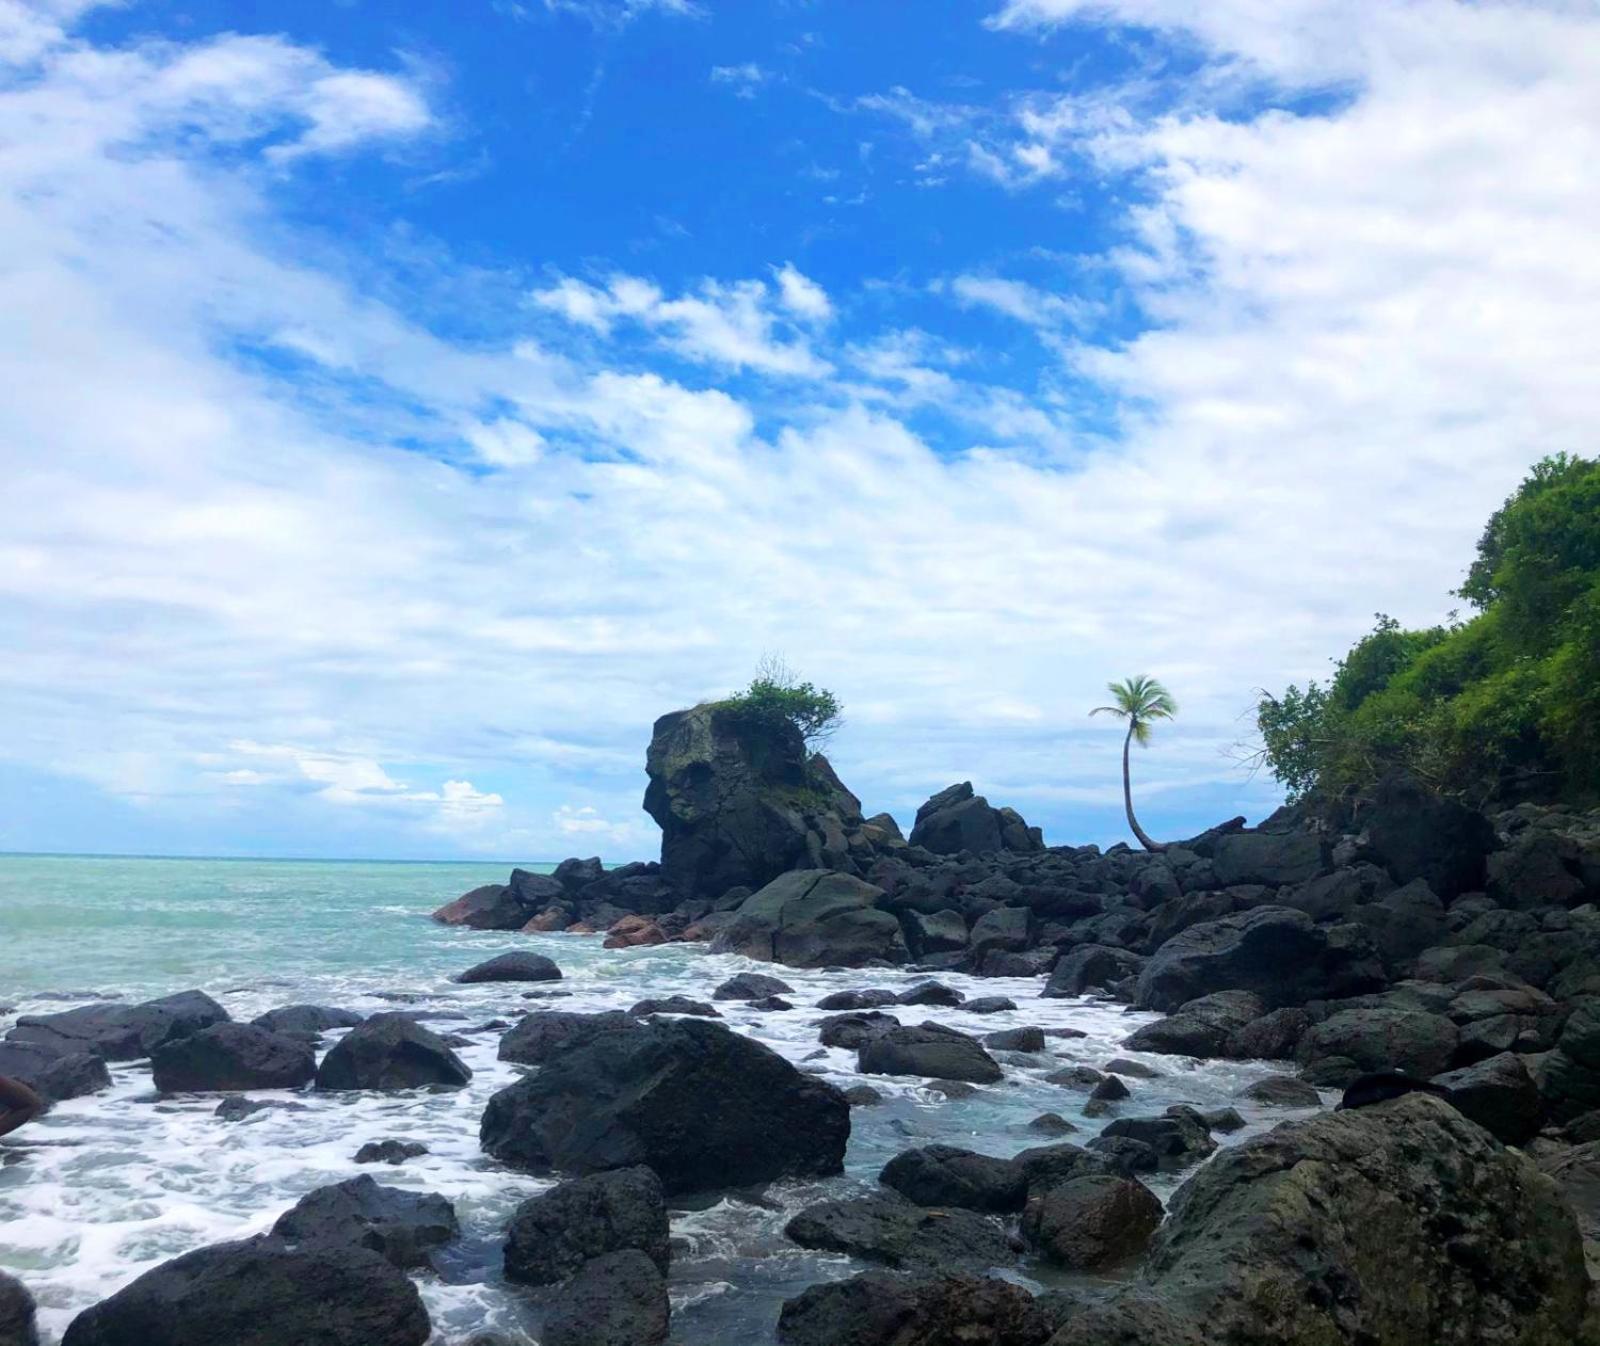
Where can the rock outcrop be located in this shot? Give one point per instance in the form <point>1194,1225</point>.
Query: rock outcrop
<point>121,1032</point>
<point>553,1234</point>
<point>815,918</point>
<point>232,1057</point>
<point>402,1227</point>
<point>957,820</point>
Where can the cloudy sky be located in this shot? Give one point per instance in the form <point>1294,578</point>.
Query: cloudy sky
<point>402,403</point>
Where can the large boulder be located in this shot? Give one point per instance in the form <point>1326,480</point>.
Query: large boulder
<point>815,918</point>
<point>311,1020</point>
<point>1381,1038</point>
<point>945,1175</point>
<point>53,1071</point>
<point>879,1308</point>
<point>1416,834</point>
<point>1202,1027</point>
<point>555,1233</point>
<point>1090,966</point>
<point>1398,1223</point>
<point>930,1051</point>
<point>518,965</point>
<point>121,1032</point>
<point>1091,1222</point>
<point>17,1327</point>
<point>232,1057</point>
<point>391,1051</point>
<point>260,1292</point>
<point>739,803</point>
<point>619,1299</point>
<point>1499,1095</point>
<point>402,1227</point>
<point>1277,952</point>
<point>537,1038</point>
<point>492,907</point>
<point>887,1229</point>
<point>701,1105</point>
<point>957,820</point>
<point>1271,858</point>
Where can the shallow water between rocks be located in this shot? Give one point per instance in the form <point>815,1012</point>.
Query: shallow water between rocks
<point>105,1187</point>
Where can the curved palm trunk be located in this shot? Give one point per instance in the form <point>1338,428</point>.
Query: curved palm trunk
<point>1127,798</point>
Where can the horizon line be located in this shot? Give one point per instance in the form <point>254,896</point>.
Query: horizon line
<point>283,859</point>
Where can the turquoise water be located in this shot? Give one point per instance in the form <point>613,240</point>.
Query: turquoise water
<point>102,1188</point>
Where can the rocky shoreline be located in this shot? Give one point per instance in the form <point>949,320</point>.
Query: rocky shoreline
<point>1414,935</point>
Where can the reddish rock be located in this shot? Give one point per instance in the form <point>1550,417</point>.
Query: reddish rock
<point>633,931</point>
<point>551,918</point>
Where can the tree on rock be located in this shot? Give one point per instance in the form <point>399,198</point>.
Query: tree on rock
<point>1139,700</point>
<point>776,694</point>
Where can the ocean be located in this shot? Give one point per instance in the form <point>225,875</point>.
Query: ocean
<point>105,1187</point>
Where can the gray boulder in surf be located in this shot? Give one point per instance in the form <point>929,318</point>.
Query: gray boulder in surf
<point>391,1051</point>
<point>815,918</point>
<point>121,1032</point>
<point>231,1058</point>
<point>703,1106</point>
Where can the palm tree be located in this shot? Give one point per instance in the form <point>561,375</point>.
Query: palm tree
<point>1139,700</point>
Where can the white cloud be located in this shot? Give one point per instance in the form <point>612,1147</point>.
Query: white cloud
<point>802,296</point>
<point>1017,299</point>
<point>745,80</point>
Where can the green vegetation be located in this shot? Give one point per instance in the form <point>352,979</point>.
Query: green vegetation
<point>777,695</point>
<point>1500,707</point>
<point>1139,700</point>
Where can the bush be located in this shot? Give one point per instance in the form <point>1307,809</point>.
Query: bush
<point>776,696</point>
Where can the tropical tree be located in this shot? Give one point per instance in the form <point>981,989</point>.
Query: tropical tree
<point>1140,701</point>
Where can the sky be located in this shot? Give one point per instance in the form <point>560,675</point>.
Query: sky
<point>404,403</point>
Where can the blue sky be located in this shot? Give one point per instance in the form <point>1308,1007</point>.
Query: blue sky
<point>408,403</point>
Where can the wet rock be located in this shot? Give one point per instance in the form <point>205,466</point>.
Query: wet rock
<point>702,1106</point>
<point>1133,1318</point>
<point>260,1292</point>
<point>1016,1040</point>
<point>540,1037</point>
<point>1225,1120</point>
<point>894,1232</point>
<point>950,1089</point>
<point>634,932</point>
<point>945,1175</point>
<point>751,986</point>
<point>872,998</point>
<point>882,1309</point>
<point>1002,930</point>
<point>389,1151</point>
<point>313,1019</point>
<point>1133,1070</point>
<point>815,918</point>
<point>1575,1169</point>
<point>1089,966</point>
<point>852,1031</point>
<point>491,907</point>
<point>53,1071</point>
<point>1416,834</point>
<point>1177,1139</point>
<point>674,1004</point>
<point>1109,1090</point>
<point>553,1234</point>
<point>121,1032</point>
<point>772,1004</point>
<point>1282,1091</point>
<point>1272,1037</point>
<point>1076,1077</point>
<point>929,1051</point>
<point>237,1109</point>
<point>1433,1232</point>
<point>1047,1166</point>
<point>1052,1124</point>
<point>989,1004</point>
<point>1376,1039</point>
<point>401,1226</point>
<point>17,1327</point>
<point>862,1096</point>
<point>1499,1095</point>
<point>1125,1155</point>
<point>929,933</point>
<point>1092,1222</point>
<point>517,966</point>
<point>1270,858</point>
<point>391,1051</point>
<point>232,1057</point>
<point>616,1300</point>
<point>930,993</point>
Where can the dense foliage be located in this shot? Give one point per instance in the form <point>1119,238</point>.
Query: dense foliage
<point>1505,705</point>
<point>775,694</point>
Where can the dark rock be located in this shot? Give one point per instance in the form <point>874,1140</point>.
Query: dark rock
<point>237,1109</point>
<point>770,1005</point>
<point>403,1227</point>
<point>1384,1086</point>
<point>1133,1070</point>
<point>575,875</point>
<point>1052,1124</point>
<point>121,1032</point>
<point>1125,1155</point>
<point>553,1234</point>
<point>1088,966</point>
<point>751,986</point>
<point>949,1089</point>
<point>491,907</point>
<point>1003,930</point>
<point>391,1051</point>
<point>674,1004</point>
<point>232,1057</point>
<point>879,1308</point>
<point>934,932</point>
<point>934,1053</point>
<point>616,1300</point>
<point>815,918</point>
<point>1076,1077</point>
<point>1416,834</point>
<point>313,1019</point>
<point>1499,1095</point>
<point>944,1175</point>
<point>518,966</point>
<point>1016,1040</point>
<point>890,1230</point>
<point>1272,1037</point>
<point>1576,1172</point>
<point>1282,1091</point>
<point>260,1292</point>
<point>1202,1027</point>
<point>1177,1139</point>
<point>53,1071</point>
<point>852,1031</point>
<point>1133,1318</point>
<point>1404,922</point>
<point>1333,897</point>
<point>1332,1072</point>
<point>389,1151</point>
<point>1378,1039</point>
<point>930,993</point>
<point>1538,869</point>
<point>1092,1222</point>
<point>1225,1120</point>
<point>989,1004</point>
<point>1433,1232</point>
<point>17,1327</point>
<point>857,1000</point>
<point>956,820</point>
<point>1269,858</point>
<point>538,1038</point>
<point>1047,1166</point>
<point>862,1096</point>
<point>701,1105</point>
<point>1109,1090</point>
